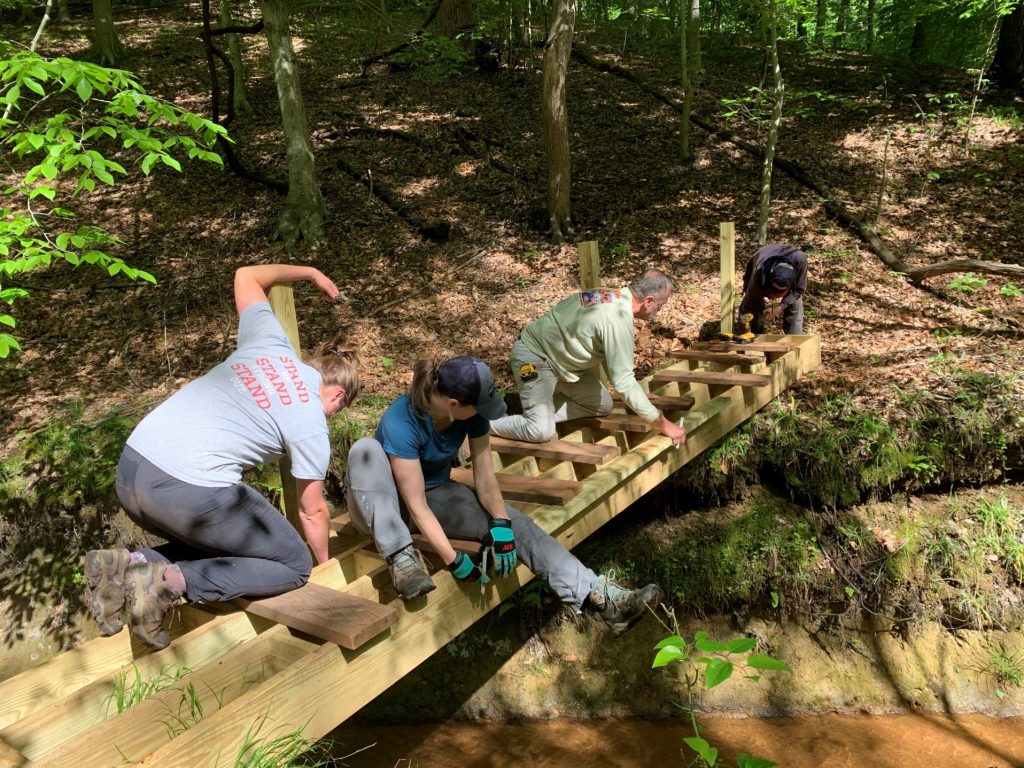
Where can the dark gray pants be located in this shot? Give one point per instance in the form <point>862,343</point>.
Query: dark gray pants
<point>228,542</point>
<point>377,511</point>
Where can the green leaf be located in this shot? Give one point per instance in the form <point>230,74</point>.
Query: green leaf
<point>702,748</point>
<point>705,644</point>
<point>742,645</point>
<point>168,160</point>
<point>667,655</point>
<point>744,760</point>
<point>84,89</point>
<point>7,343</point>
<point>8,321</point>
<point>718,671</point>
<point>34,86</point>
<point>760,661</point>
<point>670,640</point>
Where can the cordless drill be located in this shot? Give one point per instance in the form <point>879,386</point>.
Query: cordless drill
<point>743,333</point>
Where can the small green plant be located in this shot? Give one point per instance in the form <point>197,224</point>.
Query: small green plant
<point>966,283</point>
<point>281,751</point>
<point>434,58</point>
<point>188,712</point>
<point>1011,290</point>
<point>714,662</point>
<point>622,249</point>
<point>130,687</point>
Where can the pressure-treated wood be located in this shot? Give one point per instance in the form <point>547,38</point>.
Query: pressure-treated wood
<point>727,274</point>
<point>325,613</point>
<point>282,302</point>
<point>664,402</point>
<point>343,524</point>
<point>712,377</point>
<point>316,686</point>
<point>560,450</point>
<point>753,346</point>
<point>590,265</point>
<point>539,490</point>
<point>732,358</point>
<point>614,422</point>
<point>10,757</point>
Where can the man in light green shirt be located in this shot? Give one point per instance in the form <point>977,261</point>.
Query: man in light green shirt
<point>557,358</point>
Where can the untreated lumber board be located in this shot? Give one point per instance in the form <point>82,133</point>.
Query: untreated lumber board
<point>732,358</point>
<point>664,402</point>
<point>615,422</point>
<point>754,346</point>
<point>540,490</point>
<point>343,524</point>
<point>712,377</point>
<point>325,613</point>
<point>560,450</point>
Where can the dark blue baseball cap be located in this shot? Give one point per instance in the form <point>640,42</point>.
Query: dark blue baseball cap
<point>469,380</point>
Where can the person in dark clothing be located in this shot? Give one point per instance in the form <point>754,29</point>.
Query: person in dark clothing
<point>774,283</point>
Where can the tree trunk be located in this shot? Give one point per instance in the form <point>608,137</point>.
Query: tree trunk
<point>63,12</point>
<point>240,106</point>
<point>1008,65</point>
<point>801,28</point>
<point>773,133</point>
<point>106,49</point>
<point>693,33</point>
<point>557,50</point>
<point>869,33</point>
<point>454,17</point>
<point>917,41</point>
<point>684,73</point>
<point>842,22</point>
<point>819,25</point>
<point>303,215</point>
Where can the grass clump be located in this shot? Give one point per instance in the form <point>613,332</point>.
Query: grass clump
<point>285,750</point>
<point>130,687</point>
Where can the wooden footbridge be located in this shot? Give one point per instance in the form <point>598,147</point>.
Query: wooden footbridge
<point>306,661</point>
<point>347,636</point>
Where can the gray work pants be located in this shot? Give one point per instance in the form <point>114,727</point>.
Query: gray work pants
<point>548,401</point>
<point>376,511</point>
<point>228,542</point>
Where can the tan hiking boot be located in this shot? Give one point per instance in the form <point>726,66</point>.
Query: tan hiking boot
<point>104,590</point>
<point>621,608</point>
<point>149,599</point>
<point>409,573</point>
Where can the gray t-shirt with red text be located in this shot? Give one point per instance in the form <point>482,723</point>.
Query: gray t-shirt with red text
<point>256,406</point>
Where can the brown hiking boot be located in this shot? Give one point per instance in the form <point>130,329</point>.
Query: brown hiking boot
<point>104,591</point>
<point>149,599</point>
<point>409,573</point>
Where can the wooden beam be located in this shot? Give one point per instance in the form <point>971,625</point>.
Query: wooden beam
<point>282,302</point>
<point>325,613</point>
<point>540,490</point>
<point>663,402</point>
<point>712,377</point>
<point>727,274</point>
<point>614,422</point>
<point>560,450</point>
<point>590,265</point>
<point>731,358</point>
<point>754,346</point>
<point>343,524</point>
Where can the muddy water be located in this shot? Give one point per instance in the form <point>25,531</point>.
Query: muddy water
<point>836,741</point>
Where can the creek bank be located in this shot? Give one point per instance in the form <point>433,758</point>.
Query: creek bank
<point>906,605</point>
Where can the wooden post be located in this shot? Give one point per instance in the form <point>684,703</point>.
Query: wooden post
<point>590,266</point>
<point>727,240</point>
<point>282,301</point>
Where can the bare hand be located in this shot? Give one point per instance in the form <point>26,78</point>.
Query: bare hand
<point>325,284</point>
<point>677,433</point>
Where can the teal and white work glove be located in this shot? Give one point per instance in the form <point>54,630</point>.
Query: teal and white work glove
<point>502,545</point>
<point>464,569</point>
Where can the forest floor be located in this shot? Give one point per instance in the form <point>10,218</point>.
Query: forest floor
<point>463,145</point>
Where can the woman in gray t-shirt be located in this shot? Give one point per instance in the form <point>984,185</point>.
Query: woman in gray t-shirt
<point>180,476</point>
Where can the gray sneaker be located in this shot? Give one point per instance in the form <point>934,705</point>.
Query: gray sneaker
<point>409,573</point>
<point>621,608</point>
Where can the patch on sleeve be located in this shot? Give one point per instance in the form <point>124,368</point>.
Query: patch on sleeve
<point>599,296</point>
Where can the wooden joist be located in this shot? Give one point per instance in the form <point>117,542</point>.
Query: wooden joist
<point>754,346</point>
<point>343,524</point>
<point>560,450</point>
<point>325,613</point>
<point>614,422</point>
<point>539,490</point>
<point>712,377</point>
<point>663,402</point>
<point>732,358</point>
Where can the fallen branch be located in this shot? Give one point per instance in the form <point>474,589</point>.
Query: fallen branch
<point>836,209</point>
<point>437,230</point>
<point>370,60</point>
<point>917,274</point>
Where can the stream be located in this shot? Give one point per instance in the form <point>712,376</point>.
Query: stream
<point>838,741</point>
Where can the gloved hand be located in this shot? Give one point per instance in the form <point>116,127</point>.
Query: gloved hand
<point>502,544</point>
<point>773,313</point>
<point>465,569</point>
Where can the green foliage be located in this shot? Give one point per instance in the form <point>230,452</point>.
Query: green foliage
<point>66,118</point>
<point>286,750</point>
<point>966,283</point>
<point>714,662</point>
<point>433,58</point>
<point>1011,290</point>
